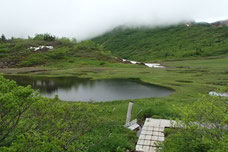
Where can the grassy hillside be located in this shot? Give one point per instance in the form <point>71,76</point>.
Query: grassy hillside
<point>162,43</point>
<point>51,124</point>
<point>22,52</point>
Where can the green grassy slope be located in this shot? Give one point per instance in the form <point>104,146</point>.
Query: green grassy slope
<point>162,43</point>
<point>65,52</point>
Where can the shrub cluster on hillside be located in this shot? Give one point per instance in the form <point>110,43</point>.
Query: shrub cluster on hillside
<point>172,42</point>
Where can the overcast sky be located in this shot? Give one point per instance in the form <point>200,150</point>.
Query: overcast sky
<point>84,19</point>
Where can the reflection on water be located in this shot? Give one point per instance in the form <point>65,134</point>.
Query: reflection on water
<point>76,89</point>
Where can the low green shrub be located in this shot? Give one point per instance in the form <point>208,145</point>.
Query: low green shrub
<point>33,60</point>
<point>57,54</point>
<point>3,50</point>
<point>203,127</point>
<point>31,123</point>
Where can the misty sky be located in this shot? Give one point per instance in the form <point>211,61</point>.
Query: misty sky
<point>84,19</point>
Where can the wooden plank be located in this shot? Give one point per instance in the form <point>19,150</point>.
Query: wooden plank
<point>152,132</point>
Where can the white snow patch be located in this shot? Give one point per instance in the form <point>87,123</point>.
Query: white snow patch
<point>213,93</point>
<point>154,65</point>
<point>40,47</point>
<point>134,62</point>
<point>151,65</point>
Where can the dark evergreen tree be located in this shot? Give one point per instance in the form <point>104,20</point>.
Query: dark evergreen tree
<point>3,38</point>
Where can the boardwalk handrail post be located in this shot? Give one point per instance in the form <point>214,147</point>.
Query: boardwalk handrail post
<point>128,119</point>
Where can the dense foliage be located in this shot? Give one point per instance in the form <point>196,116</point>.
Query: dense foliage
<point>172,42</point>
<point>203,127</point>
<point>31,123</point>
<point>17,52</point>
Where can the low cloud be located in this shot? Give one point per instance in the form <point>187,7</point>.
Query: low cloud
<point>84,19</point>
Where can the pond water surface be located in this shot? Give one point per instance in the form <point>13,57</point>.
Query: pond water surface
<point>77,89</point>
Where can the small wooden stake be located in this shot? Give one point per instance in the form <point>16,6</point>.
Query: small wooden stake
<point>128,119</point>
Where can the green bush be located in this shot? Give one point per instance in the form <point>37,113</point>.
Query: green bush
<point>57,54</point>
<point>30,123</point>
<point>71,60</point>
<point>3,38</point>
<point>33,60</point>
<point>3,50</point>
<point>4,47</point>
<point>44,37</point>
<point>65,42</point>
<point>203,127</point>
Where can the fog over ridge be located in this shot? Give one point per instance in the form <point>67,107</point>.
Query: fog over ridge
<point>84,19</point>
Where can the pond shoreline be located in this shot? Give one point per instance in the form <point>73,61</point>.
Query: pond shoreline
<point>86,90</point>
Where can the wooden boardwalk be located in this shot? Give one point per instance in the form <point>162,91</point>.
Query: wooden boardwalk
<point>152,132</point>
